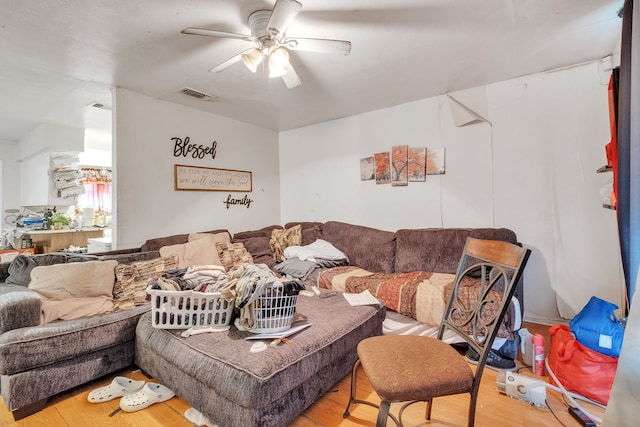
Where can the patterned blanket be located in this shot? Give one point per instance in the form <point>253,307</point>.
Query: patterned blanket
<point>420,295</point>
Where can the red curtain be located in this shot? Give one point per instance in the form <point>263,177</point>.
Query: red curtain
<point>97,189</point>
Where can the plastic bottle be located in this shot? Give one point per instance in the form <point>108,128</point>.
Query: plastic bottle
<point>538,346</point>
<point>526,347</point>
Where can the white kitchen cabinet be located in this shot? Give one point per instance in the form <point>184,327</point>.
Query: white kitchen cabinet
<point>37,186</point>
<point>34,158</point>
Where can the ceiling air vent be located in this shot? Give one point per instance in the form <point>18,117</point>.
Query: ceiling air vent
<point>196,94</point>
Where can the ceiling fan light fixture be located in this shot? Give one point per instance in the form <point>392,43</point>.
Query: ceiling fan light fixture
<point>279,57</point>
<point>269,36</point>
<point>252,59</point>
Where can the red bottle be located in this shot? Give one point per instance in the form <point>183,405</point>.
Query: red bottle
<point>538,350</point>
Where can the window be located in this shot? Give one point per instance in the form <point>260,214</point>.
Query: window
<point>97,190</point>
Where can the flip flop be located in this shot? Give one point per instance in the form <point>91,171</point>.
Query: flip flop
<point>151,393</point>
<point>120,386</point>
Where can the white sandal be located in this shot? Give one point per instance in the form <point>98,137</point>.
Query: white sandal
<point>196,417</point>
<point>120,386</point>
<point>151,393</point>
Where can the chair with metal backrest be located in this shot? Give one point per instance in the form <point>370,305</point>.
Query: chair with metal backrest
<point>412,368</point>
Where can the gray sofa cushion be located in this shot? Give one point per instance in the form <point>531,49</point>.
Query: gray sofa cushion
<point>157,243</point>
<point>259,249</point>
<point>122,258</point>
<point>256,242</point>
<point>263,232</point>
<point>131,257</point>
<point>311,231</point>
<point>4,270</point>
<point>439,249</point>
<point>366,247</point>
<point>21,266</point>
<point>19,307</point>
<point>26,349</point>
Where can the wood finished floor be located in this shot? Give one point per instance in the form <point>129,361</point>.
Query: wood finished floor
<point>494,409</point>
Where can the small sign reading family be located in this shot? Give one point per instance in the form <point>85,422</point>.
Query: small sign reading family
<point>209,179</point>
<point>245,201</point>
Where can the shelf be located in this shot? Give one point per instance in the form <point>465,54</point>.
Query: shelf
<point>605,168</point>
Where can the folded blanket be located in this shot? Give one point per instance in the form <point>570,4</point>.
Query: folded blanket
<point>318,249</point>
<point>294,267</point>
<point>420,295</point>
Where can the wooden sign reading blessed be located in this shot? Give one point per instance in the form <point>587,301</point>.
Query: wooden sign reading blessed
<point>184,148</point>
<point>197,178</point>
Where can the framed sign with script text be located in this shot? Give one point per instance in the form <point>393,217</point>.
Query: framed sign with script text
<point>197,178</point>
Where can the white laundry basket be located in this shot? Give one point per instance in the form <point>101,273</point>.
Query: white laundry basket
<point>273,312</point>
<point>189,309</point>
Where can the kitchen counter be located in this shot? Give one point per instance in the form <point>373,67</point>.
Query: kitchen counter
<point>64,230</point>
<point>47,241</point>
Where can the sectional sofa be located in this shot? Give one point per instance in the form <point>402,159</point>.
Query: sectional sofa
<point>40,360</point>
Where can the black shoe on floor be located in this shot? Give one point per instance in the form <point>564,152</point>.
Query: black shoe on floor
<point>494,361</point>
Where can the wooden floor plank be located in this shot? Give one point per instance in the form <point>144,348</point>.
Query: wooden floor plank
<point>72,409</point>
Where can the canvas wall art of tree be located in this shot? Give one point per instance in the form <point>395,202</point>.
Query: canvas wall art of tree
<point>417,164</point>
<point>399,165</point>
<point>383,168</point>
<point>435,161</point>
<point>367,172</point>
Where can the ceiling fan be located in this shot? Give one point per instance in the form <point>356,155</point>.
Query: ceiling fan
<point>268,33</point>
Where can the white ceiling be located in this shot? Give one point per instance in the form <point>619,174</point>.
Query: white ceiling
<point>57,57</point>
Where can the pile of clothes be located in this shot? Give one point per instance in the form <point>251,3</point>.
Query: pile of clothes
<point>300,261</point>
<point>200,278</point>
<point>243,285</point>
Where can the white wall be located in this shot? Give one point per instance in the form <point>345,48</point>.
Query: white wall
<point>34,179</point>
<point>10,176</point>
<point>48,137</point>
<point>97,148</point>
<point>530,167</point>
<point>145,203</point>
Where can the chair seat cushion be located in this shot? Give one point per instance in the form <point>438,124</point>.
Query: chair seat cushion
<point>409,367</point>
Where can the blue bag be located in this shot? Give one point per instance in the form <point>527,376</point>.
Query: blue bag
<point>597,327</point>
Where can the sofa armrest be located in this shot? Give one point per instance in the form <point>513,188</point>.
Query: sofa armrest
<point>4,270</point>
<point>19,307</point>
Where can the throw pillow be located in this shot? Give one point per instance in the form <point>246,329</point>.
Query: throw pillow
<point>75,280</point>
<point>130,288</point>
<point>281,239</point>
<point>233,255</point>
<point>201,251</point>
<point>177,250</point>
<point>72,291</point>
<point>217,237</point>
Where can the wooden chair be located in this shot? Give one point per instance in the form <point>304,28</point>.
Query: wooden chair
<point>411,368</point>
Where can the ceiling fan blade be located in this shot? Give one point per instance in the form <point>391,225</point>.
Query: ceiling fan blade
<point>291,78</point>
<point>283,14</point>
<point>229,62</point>
<point>214,33</point>
<point>318,45</point>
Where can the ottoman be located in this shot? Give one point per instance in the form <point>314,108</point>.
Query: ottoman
<point>216,373</point>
